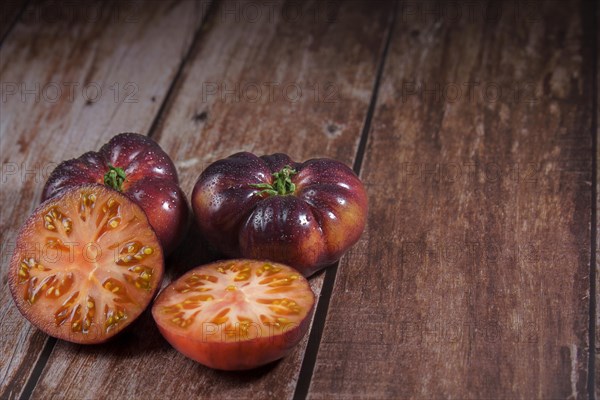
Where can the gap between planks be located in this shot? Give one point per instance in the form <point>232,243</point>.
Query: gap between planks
<point>335,374</point>
<point>51,342</point>
<point>592,395</point>
<point>170,92</point>
<point>322,308</point>
<point>162,120</point>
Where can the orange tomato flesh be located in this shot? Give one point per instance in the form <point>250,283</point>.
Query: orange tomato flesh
<point>87,264</point>
<point>246,304</point>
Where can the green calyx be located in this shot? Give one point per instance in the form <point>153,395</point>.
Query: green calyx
<point>282,183</point>
<point>114,178</point>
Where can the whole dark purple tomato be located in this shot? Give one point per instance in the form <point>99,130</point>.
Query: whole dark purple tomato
<point>302,214</point>
<point>135,165</point>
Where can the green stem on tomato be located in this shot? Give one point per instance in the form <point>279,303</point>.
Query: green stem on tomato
<point>114,178</point>
<point>282,183</point>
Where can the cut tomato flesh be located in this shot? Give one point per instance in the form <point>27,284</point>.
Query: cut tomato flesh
<point>87,264</point>
<point>235,314</point>
<point>235,296</point>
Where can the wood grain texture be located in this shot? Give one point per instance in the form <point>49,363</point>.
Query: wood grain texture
<point>9,12</point>
<point>472,280</point>
<point>59,80</point>
<point>216,110</point>
<point>596,343</point>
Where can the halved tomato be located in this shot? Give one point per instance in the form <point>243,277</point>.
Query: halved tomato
<point>235,314</point>
<point>86,264</point>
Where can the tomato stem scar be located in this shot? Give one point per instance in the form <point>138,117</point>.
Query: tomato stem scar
<point>282,183</point>
<point>114,178</point>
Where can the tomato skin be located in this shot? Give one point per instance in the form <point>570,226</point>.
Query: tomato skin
<point>308,229</point>
<point>151,181</point>
<point>208,342</point>
<point>166,207</point>
<point>236,356</point>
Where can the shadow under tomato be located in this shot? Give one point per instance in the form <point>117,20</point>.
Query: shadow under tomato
<point>192,252</point>
<point>141,337</point>
<point>246,376</point>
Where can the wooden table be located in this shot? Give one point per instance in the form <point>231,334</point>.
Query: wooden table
<point>472,124</point>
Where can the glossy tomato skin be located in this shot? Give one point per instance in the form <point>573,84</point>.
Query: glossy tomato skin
<point>151,181</point>
<point>307,229</point>
<point>236,356</point>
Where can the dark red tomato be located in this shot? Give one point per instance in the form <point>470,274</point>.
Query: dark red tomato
<point>302,214</point>
<point>235,314</point>
<point>135,165</point>
<point>86,265</point>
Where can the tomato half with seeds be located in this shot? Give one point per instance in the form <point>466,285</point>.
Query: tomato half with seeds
<point>138,167</point>
<point>86,264</point>
<point>306,215</point>
<point>235,314</point>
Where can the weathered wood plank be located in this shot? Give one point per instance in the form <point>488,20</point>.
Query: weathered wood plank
<point>320,68</point>
<point>9,12</point>
<point>68,84</point>
<point>595,346</point>
<point>472,280</point>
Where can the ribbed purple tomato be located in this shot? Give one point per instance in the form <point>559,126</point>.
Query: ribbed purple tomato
<point>135,165</point>
<point>302,214</point>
